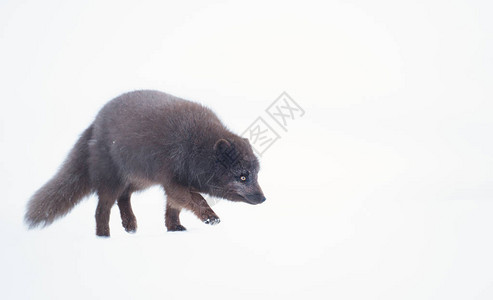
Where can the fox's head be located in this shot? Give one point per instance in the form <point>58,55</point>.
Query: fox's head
<point>235,172</point>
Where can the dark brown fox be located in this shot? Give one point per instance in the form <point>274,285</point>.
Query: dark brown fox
<point>146,138</point>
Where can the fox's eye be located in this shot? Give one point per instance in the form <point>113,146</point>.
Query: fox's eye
<point>243,178</point>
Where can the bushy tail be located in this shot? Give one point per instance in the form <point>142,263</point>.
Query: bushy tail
<point>65,190</point>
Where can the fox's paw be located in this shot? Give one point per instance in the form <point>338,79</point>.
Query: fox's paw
<point>176,227</point>
<point>130,225</point>
<point>212,220</point>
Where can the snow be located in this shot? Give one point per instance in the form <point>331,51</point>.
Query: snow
<point>382,190</point>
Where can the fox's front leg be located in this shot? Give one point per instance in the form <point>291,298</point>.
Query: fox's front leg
<point>179,196</point>
<point>203,210</point>
<point>172,218</point>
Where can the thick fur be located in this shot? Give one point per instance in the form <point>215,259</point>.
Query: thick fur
<point>59,195</point>
<point>146,138</point>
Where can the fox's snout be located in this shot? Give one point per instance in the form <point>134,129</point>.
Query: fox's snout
<point>255,198</point>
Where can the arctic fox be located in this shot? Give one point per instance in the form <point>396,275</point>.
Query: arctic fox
<point>146,138</point>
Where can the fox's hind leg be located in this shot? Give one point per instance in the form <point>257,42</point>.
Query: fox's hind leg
<point>106,201</point>
<point>105,180</point>
<point>129,221</point>
<point>172,218</point>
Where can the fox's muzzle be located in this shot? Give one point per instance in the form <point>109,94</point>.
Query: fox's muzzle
<point>255,198</point>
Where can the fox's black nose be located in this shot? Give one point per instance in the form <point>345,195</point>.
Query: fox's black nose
<point>256,198</point>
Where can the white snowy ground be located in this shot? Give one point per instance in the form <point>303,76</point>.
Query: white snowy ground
<point>383,190</point>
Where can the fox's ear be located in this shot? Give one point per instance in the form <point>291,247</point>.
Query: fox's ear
<point>226,153</point>
<point>221,145</point>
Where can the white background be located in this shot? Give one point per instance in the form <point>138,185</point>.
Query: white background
<point>383,190</point>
